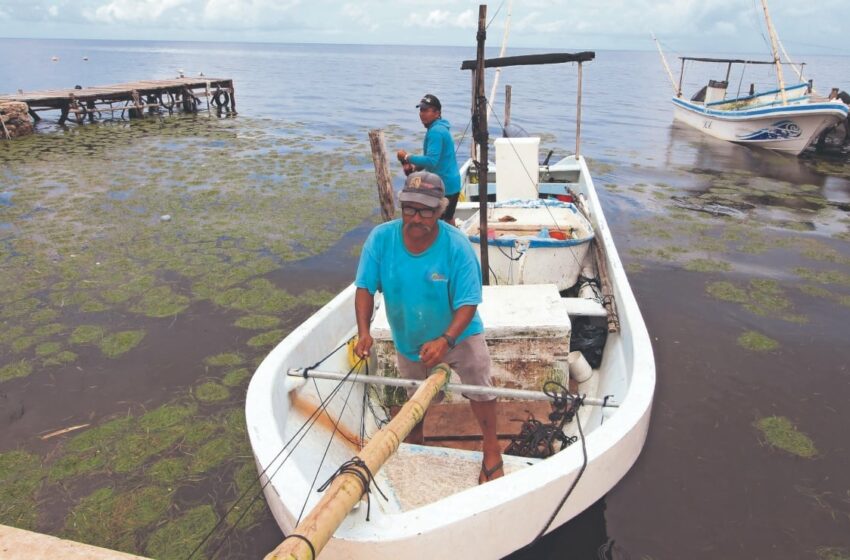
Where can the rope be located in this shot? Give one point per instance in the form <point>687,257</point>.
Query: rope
<point>311,420</point>
<point>360,469</point>
<point>306,540</point>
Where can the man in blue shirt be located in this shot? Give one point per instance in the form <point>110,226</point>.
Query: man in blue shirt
<point>439,152</point>
<point>431,282</point>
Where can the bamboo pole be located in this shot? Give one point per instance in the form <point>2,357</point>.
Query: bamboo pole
<point>346,490</point>
<point>666,66</point>
<point>480,108</point>
<point>382,174</point>
<point>775,51</point>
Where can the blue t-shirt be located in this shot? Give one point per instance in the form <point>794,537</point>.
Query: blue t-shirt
<point>439,156</point>
<point>422,291</point>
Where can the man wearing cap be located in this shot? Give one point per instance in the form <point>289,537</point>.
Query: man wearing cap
<point>439,152</point>
<point>431,281</point>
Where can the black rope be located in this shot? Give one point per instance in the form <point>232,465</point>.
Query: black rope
<point>357,467</point>
<point>311,420</point>
<point>306,540</point>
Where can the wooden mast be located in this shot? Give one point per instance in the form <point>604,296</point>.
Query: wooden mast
<point>666,66</point>
<point>347,489</point>
<point>480,135</point>
<point>775,50</point>
<point>382,174</point>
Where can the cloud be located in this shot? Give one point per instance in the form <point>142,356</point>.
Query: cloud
<point>360,16</point>
<point>132,11</point>
<point>440,19</point>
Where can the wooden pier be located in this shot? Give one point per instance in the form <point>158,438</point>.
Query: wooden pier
<point>135,99</point>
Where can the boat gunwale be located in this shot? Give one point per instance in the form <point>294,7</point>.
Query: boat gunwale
<point>798,109</point>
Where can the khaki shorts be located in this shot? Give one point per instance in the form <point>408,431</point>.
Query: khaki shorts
<point>470,359</point>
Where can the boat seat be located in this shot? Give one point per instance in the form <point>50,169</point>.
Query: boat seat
<point>583,307</point>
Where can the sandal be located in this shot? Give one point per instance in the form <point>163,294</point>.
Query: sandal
<point>488,473</point>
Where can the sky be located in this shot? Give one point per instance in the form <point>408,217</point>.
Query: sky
<point>685,26</point>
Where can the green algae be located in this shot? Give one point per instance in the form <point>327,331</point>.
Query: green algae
<point>176,539</point>
<point>823,277</point>
<point>236,377</point>
<point>166,416</point>
<point>779,432</point>
<point>114,519</point>
<point>752,340</point>
<point>61,358</point>
<point>159,302</point>
<point>23,343</point>
<point>257,322</point>
<point>115,344</point>
<point>726,291</point>
<point>86,334</point>
<point>211,392</point>
<point>247,484</point>
<point>47,348</point>
<point>225,359</point>
<point>169,470</point>
<point>21,368</point>
<point>269,338</point>
<point>832,553</point>
<point>707,265</point>
<point>212,454</point>
<point>137,448</point>
<point>49,330</point>
<point>20,480</point>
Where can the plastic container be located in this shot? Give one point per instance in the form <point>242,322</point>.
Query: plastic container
<point>543,232</point>
<point>580,370</point>
<point>558,235</point>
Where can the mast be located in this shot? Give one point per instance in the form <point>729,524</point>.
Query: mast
<point>666,66</point>
<point>775,49</point>
<point>479,133</point>
<point>501,54</point>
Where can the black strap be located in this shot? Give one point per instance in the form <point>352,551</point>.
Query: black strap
<point>306,540</point>
<point>360,469</point>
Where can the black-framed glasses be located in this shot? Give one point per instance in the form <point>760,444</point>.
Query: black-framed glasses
<point>423,212</point>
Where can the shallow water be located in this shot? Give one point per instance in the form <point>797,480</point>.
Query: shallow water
<point>127,323</point>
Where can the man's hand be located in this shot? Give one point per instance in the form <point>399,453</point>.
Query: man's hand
<point>401,155</point>
<point>433,352</point>
<point>364,346</point>
<point>408,168</point>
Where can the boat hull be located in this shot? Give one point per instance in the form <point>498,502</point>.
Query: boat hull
<point>505,514</point>
<point>788,129</point>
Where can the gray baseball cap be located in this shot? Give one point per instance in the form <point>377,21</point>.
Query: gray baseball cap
<point>423,187</point>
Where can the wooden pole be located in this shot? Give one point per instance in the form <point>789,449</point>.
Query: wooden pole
<point>578,113</point>
<point>481,112</point>
<point>666,66</point>
<point>507,105</point>
<point>775,50</point>
<point>382,174</point>
<point>346,490</point>
<point>602,268</point>
<point>501,54</point>
<point>681,77</point>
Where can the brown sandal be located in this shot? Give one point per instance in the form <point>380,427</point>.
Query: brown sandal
<point>488,473</point>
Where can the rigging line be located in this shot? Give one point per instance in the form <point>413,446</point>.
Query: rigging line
<point>311,420</point>
<point>327,448</point>
<point>494,15</point>
<point>572,486</point>
<point>462,136</point>
<point>531,180</point>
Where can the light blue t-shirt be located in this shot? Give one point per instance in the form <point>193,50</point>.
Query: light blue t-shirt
<point>439,155</point>
<point>421,291</point>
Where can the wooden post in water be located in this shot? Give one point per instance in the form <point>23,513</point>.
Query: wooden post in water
<point>346,490</point>
<point>507,105</point>
<point>480,106</point>
<point>382,174</point>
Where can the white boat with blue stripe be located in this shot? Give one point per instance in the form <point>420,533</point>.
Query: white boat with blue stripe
<point>787,119</point>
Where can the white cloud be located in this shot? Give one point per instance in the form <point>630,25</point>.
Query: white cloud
<point>360,17</point>
<point>439,19</point>
<point>132,11</point>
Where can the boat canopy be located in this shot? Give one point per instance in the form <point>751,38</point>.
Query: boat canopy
<point>727,60</point>
<point>530,59</point>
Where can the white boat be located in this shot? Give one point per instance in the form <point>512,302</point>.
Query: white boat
<point>430,502</point>
<point>761,119</point>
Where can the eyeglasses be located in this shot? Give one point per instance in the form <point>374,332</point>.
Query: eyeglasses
<point>423,212</point>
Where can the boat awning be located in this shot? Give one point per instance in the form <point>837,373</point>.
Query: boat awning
<point>728,60</point>
<point>530,59</point>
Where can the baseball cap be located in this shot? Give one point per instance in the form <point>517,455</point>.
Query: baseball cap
<point>423,187</point>
<point>430,101</point>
